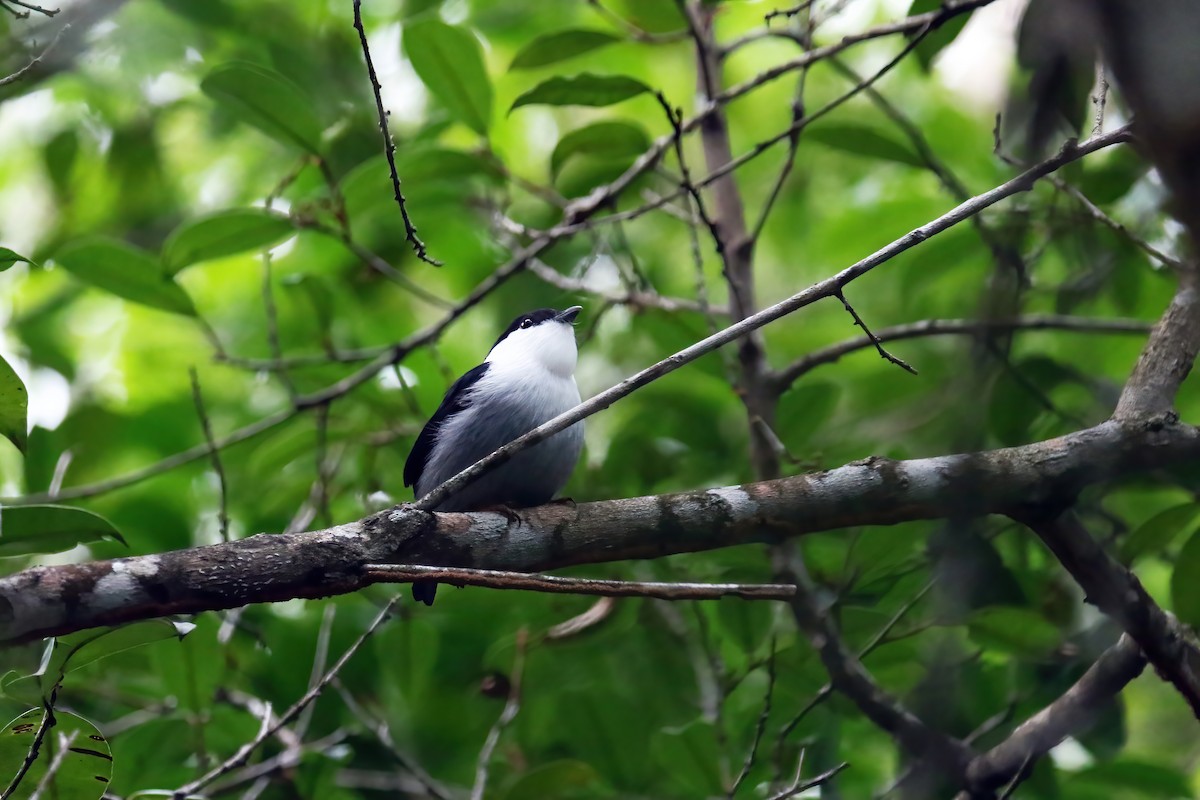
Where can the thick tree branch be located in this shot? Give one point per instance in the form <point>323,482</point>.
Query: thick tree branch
<point>1069,715</point>
<point>53,600</point>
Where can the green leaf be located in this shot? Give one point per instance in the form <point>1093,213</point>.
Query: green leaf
<point>862,140</point>
<point>14,405</point>
<point>60,155</point>
<point>449,60</point>
<point>82,772</point>
<point>565,778</point>
<point>805,409</point>
<point>939,37</point>
<point>607,140</point>
<point>551,48</point>
<point>1159,531</point>
<point>222,234</point>
<point>693,754</point>
<point>584,89</point>
<point>8,258</point>
<point>267,100</point>
<point>1129,778</point>
<point>1019,397</point>
<point>79,649</point>
<point>125,271</point>
<point>23,689</point>
<point>1185,588</point>
<point>1014,630</point>
<point>319,293</point>
<point>65,654</point>
<point>29,530</point>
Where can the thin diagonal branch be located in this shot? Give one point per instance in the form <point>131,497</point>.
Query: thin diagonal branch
<point>243,754</point>
<point>511,707</point>
<point>1168,356</point>
<point>826,288</point>
<point>1116,591</point>
<point>36,60</point>
<point>1070,714</point>
<point>872,338</point>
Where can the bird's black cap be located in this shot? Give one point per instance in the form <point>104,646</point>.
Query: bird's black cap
<point>538,317</point>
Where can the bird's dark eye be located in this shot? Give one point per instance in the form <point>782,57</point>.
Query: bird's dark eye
<point>526,323</point>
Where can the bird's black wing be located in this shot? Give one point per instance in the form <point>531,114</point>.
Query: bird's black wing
<point>452,403</point>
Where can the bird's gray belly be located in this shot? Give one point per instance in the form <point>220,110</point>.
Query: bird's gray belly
<point>530,478</point>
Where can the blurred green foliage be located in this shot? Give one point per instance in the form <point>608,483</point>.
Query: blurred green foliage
<point>144,169</point>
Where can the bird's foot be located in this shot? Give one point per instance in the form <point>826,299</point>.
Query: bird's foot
<point>505,511</point>
<point>563,501</point>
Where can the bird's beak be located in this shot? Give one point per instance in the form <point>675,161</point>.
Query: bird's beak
<point>568,315</point>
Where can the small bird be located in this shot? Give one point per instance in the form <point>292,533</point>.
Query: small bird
<point>527,379</point>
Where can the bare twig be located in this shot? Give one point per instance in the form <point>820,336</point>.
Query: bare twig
<point>598,612</point>
<point>223,512</point>
<point>268,295</point>
<point>955,327</point>
<point>49,12</point>
<point>675,117</point>
<point>511,706</point>
<point>632,298</point>
<point>260,774</point>
<point>379,728</point>
<point>375,262</point>
<point>36,60</point>
<point>728,166</point>
<point>636,33</point>
<point>883,353</point>
<point>1098,214</point>
<point>554,584</point>
<point>39,737</point>
<point>389,147</point>
<point>798,788</point>
<point>320,657</point>
<point>752,755</point>
<point>789,159</point>
<point>47,781</point>
<point>788,12</point>
<point>243,754</point>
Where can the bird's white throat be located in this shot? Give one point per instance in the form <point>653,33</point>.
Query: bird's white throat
<point>549,346</point>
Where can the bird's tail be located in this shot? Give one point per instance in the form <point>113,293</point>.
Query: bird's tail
<point>424,591</point>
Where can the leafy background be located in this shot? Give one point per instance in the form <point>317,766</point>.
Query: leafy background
<point>145,168</point>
